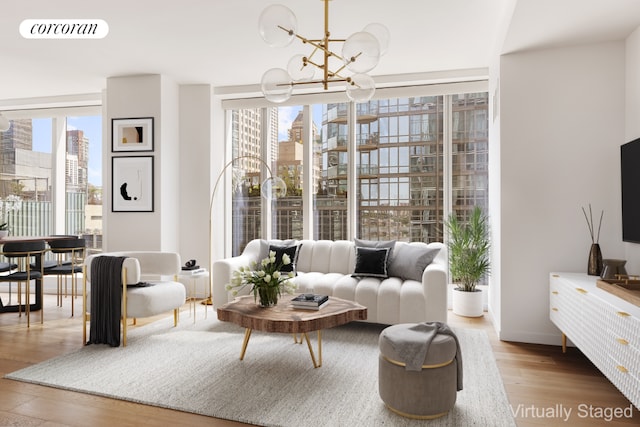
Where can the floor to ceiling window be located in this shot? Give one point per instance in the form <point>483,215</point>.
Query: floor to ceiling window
<point>398,157</point>
<point>52,166</point>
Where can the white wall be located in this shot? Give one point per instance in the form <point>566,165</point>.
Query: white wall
<point>144,96</point>
<point>632,125</point>
<point>195,165</point>
<point>561,124</point>
<point>495,197</point>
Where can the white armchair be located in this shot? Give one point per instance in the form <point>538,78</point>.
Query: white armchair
<point>164,293</point>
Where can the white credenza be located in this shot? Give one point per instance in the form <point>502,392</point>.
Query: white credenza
<point>604,327</point>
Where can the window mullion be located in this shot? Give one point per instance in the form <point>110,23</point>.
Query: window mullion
<point>307,173</point>
<point>447,158</point>
<point>265,153</point>
<point>352,199</point>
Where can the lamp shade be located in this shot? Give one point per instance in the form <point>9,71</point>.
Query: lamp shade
<point>273,187</point>
<point>361,88</point>
<point>276,85</point>
<point>299,70</point>
<point>361,52</point>
<point>4,123</point>
<point>277,25</point>
<point>380,32</point>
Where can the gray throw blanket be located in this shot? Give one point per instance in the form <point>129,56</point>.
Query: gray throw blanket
<point>106,300</point>
<point>413,344</point>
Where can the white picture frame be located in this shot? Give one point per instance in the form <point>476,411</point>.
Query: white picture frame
<point>132,184</point>
<point>135,134</point>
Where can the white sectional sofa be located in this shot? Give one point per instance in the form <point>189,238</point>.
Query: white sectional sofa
<point>412,293</point>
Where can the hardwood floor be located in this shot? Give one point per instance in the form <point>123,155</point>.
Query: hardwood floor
<point>541,382</point>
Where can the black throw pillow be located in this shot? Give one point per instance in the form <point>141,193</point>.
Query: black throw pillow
<point>292,251</point>
<point>371,262</point>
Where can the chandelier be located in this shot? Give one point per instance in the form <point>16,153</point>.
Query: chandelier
<point>360,54</point>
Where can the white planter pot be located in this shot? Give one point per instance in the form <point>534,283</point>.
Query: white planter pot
<point>468,304</point>
<point>4,233</point>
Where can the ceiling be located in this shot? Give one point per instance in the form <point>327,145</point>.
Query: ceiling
<point>217,42</point>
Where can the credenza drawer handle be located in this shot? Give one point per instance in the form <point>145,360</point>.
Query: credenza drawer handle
<point>555,275</point>
<point>622,369</point>
<point>554,309</point>
<point>555,292</point>
<point>622,341</point>
<point>582,291</point>
<point>623,314</point>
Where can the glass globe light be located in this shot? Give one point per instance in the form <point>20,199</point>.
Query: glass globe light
<point>273,188</point>
<point>270,21</point>
<point>5,124</point>
<point>361,88</point>
<point>298,71</point>
<point>276,85</point>
<point>361,52</point>
<point>381,33</point>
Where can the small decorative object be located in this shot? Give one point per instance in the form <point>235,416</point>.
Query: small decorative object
<point>267,282</point>
<point>613,268</point>
<point>594,266</point>
<point>11,203</point>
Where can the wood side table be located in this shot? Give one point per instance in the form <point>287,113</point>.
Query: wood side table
<point>284,318</point>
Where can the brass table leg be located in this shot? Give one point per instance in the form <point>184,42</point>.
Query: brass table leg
<point>313,357</point>
<point>247,335</point>
<point>564,343</point>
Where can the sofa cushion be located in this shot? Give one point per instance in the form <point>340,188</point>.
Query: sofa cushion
<point>409,261</point>
<point>371,262</point>
<point>292,251</point>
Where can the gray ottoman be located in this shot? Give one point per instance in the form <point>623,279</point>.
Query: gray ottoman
<point>420,369</point>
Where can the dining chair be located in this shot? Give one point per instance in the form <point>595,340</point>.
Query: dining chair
<point>69,259</point>
<point>6,267</point>
<point>28,258</point>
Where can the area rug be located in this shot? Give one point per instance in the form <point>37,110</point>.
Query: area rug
<point>196,368</point>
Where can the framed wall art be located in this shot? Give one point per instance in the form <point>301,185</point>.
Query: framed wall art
<point>132,184</point>
<point>132,134</point>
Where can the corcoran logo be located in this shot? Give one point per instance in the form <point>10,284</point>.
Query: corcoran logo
<point>64,29</point>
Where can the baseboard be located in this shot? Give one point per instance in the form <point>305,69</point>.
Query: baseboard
<point>532,338</point>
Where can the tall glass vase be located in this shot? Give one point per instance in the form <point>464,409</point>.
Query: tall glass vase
<point>594,267</point>
<point>268,296</point>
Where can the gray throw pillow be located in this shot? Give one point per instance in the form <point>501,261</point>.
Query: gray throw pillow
<point>409,261</point>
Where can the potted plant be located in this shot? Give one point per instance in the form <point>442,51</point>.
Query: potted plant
<point>468,245</point>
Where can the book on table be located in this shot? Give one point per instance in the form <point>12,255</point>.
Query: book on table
<point>310,300</point>
<point>309,307</point>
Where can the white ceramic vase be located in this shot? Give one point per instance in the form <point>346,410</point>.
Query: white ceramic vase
<point>468,304</point>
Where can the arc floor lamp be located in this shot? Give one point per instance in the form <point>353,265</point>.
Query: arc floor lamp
<point>271,188</point>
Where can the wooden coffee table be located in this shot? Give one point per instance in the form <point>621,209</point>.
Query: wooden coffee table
<point>283,318</point>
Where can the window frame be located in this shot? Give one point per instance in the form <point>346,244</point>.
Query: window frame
<point>58,110</point>
<point>447,90</point>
